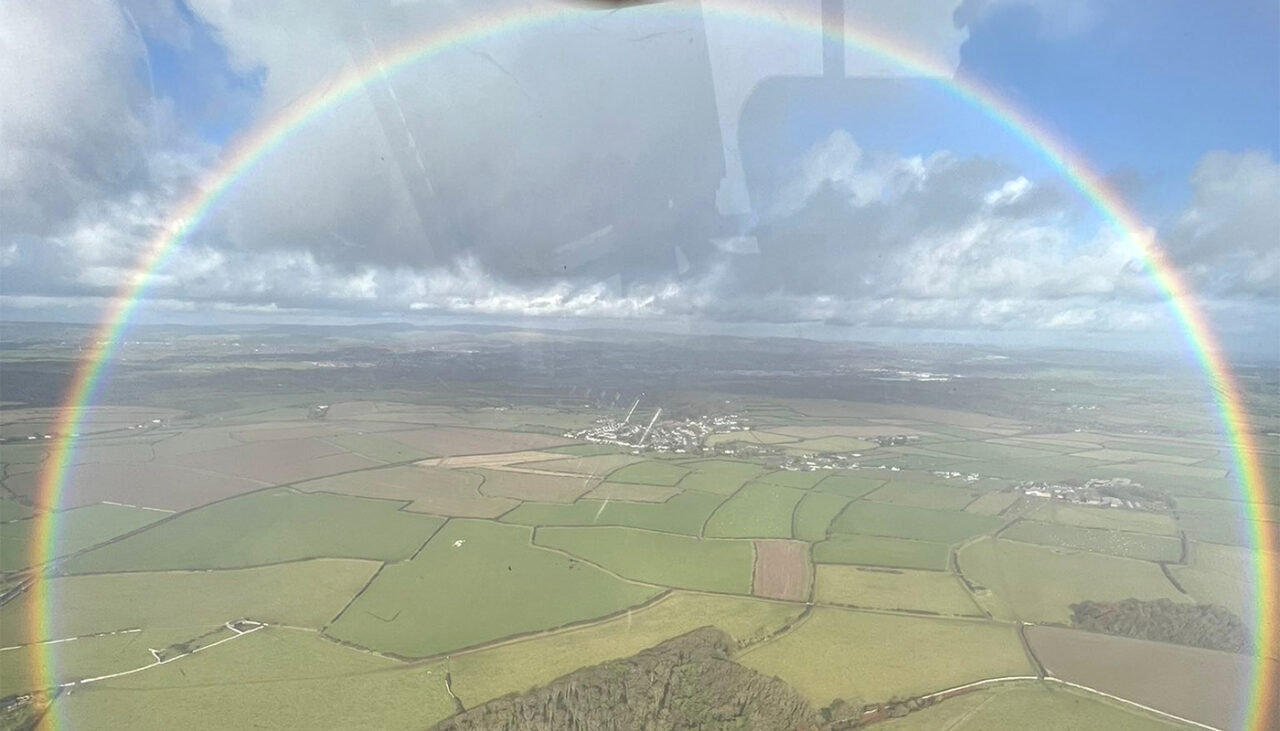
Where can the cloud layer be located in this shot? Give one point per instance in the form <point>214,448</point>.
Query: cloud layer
<point>574,172</point>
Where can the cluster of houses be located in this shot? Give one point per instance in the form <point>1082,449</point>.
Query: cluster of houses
<point>1114,492</point>
<point>678,436</point>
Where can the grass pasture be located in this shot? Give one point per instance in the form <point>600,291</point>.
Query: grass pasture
<point>829,444</point>
<point>901,521</point>
<point>758,510</point>
<point>1142,546</point>
<point>87,657</point>
<point>658,558</point>
<point>302,594</point>
<point>650,472</point>
<point>294,679</point>
<point>992,503</point>
<point>266,527</point>
<point>852,486</point>
<point>1228,531</point>
<point>879,551</point>
<point>78,529</point>
<point>11,509</point>
<point>916,591</point>
<point>839,653</point>
<point>526,485</point>
<point>923,496</point>
<point>516,667</point>
<point>794,478</point>
<point>683,513</point>
<point>1227,508</point>
<point>454,595</point>
<point>599,465</point>
<point>1224,575</point>
<point>1013,575</point>
<point>149,484</point>
<point>434,490</point>
<point>721,476</point>
<point>990,451</point>
<point>632,492</point>
<point>376,446</point>
<point>1052,511</point>
<point>814,514</point>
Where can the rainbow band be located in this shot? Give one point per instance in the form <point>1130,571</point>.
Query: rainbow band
<point>1260,708</point>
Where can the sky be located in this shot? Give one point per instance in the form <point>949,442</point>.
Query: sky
<point>664,165</point>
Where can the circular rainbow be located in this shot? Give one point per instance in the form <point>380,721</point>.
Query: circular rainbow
<point>1261,709</point>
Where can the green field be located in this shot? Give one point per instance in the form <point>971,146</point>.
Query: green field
<point>1222,575</point>
<point>992,503</point>
<point>267,527</point>
<point>814,514</point>
<point>516,667</point>
<point>659,558</point>
<point>849,485</point>
<point>87,657</point>
<point>1222,529</point>
<point>449,597</point>
<point>720,476</point>
<point>991,451</point>
<point>11,509</point>
<point>829,444</point>
<point>378,447</point>
<point>1053,511</point>
<point>759,510</point>
<point>303,594</point>
<point>879,551</point>
<point>650,472</point>
<point>1142,546</point>
<point>1029,705</point>
<point>684,513</point>
<point>588,450</point>
<point>1014,575</point>
<point>923,496</point>
<point>845,654</point>
<point>794,478</point>
<point>900,521</point>
<point>76,530</point>
<point>921,591</point>
<point>281,677</point>
<point>1228,508</point>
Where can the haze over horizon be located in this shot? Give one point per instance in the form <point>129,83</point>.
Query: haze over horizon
<point>684,184</point>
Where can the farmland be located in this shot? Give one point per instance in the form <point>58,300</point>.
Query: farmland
<point>454,593</point>
<point>658,558</point>
<point>489,673</point>
<point>880,551</point>
<point>684,513</point>
<point>1201,685</point>
<point>814,514</point>
<point>759,510</point>
<point>272,526</point>
<point>898,521</point>
<point>1042,706</point>
<point>303,594</point>
<point>1008,571</point>
<point>903,656</point>
<point>1116,543</point>
<point>454,520</point>
<point>294,678</point>
<point>78,529</point>
<point>720,476</point>
<point>872,588</point>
